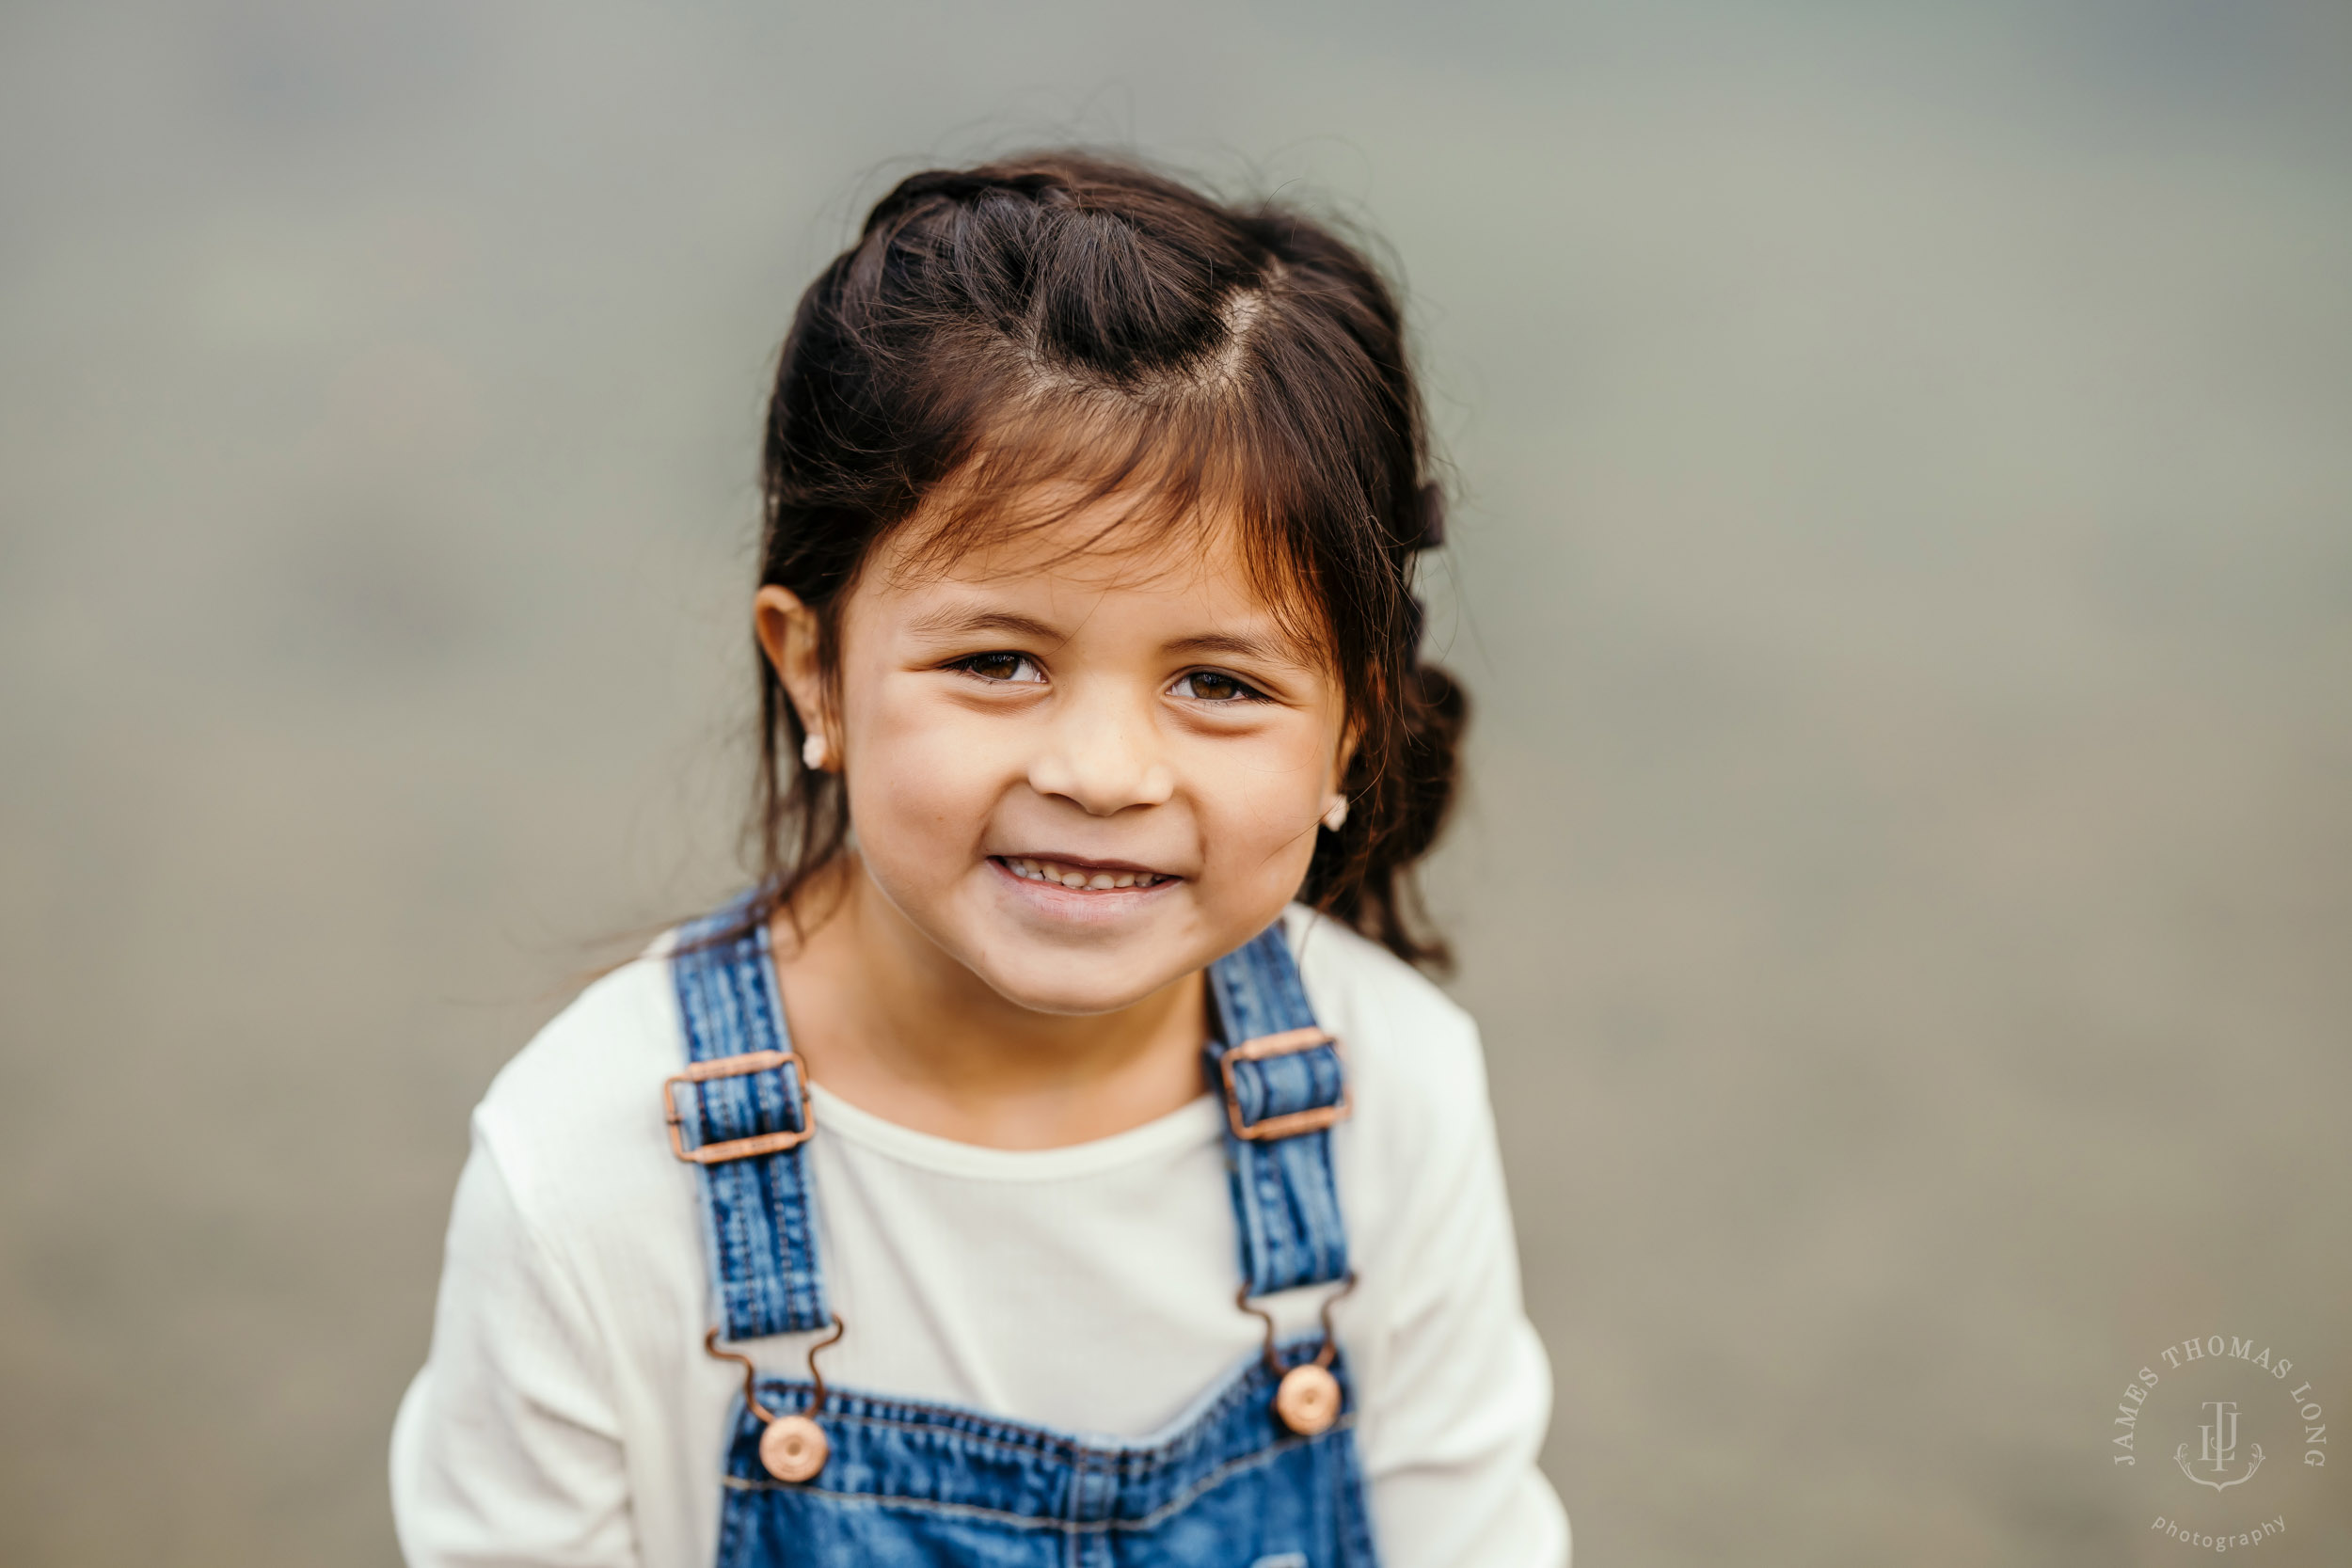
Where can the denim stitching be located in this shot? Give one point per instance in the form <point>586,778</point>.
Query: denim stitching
<point>1255,1459</point>
<point>1012,1438</point>
<point>1285,1193</point>
<point>768,1279</point>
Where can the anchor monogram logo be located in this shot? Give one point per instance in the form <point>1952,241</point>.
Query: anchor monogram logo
<point>2243,1390</point>
<point>2219,1449</point>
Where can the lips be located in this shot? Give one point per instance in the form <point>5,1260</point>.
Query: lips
<point>1083,876</point>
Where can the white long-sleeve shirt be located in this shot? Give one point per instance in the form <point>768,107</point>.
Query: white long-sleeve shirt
<point>568,1414</point>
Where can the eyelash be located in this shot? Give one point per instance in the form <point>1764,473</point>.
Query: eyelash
<point>971,666</point>
<point>1244,691</point>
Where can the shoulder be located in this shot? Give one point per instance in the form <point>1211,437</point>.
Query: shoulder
<point>1417,1072</point>
<point>1378,1005</point>
<point>575,1120</point>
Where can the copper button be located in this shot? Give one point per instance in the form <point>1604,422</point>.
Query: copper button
<point>794,1448</point>
<point>1308,1399</point>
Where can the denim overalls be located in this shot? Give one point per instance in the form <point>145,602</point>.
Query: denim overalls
<point>883,1481</point>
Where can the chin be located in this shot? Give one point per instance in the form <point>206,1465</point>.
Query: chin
<point>1071,985</point>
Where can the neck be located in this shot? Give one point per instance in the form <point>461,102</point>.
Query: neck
<point>889,1021</point>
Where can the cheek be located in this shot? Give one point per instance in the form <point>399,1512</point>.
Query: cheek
<point>1260,814</point>
<point>922,781</point>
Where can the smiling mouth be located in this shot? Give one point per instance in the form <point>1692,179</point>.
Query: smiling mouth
<point>1082,878</point>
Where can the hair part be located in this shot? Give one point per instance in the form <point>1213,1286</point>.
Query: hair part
<point>1061,324</point>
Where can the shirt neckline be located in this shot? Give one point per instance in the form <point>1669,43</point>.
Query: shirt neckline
<point>1198,1121</point>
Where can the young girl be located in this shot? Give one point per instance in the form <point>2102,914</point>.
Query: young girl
<point>1053,1158</point>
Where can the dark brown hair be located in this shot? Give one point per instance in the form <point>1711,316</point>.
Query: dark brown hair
<point>1062,317</point>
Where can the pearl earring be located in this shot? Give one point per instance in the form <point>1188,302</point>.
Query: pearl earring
<point>815,752</point>
<point>1336,817</point>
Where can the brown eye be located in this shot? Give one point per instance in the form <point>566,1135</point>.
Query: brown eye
<point>1215,685</point>
<point>1007,667</point>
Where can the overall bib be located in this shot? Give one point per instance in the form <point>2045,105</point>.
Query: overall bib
<point>885,1482</point>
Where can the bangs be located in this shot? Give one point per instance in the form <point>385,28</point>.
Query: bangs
<point>1150,476</point>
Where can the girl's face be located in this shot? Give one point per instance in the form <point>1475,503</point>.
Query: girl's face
<point>1081,773</point>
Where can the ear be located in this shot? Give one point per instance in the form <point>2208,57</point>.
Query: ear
<point>786,629</point>
<point>1346,757</point>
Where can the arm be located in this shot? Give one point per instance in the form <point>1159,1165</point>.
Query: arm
<point>507,1448</point>
<point>1465,1397</point>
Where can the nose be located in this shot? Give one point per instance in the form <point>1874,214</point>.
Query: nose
<point>1101,754</point>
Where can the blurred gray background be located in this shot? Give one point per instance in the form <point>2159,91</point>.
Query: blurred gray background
<point>1904,559</point>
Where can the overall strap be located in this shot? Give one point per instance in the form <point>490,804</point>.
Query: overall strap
<point>740,1112</point>
<point>1284,1085</point>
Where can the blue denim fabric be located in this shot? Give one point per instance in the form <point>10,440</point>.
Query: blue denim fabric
<point>909,1483</point>
<point>914,1484</point>
<point>1284,1193</point>
<point>758,1215</point>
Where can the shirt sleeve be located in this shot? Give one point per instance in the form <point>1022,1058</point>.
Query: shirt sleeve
<point>1451,1439</point>
<point>507,1448</point>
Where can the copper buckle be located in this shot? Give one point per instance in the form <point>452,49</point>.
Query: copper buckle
<point>1314,1119</point>
<point>736,1148</point>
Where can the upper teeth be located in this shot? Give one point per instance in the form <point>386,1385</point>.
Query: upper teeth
<point>1070,875</point>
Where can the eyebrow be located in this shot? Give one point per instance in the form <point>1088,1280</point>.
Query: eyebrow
<point>1237,646</point>
<point>963,623</point>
